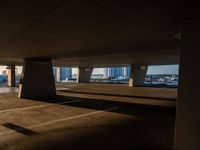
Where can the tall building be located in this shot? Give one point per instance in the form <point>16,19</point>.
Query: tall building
<point>107,72</point>
<point>127,71</point>
<point>66,73</point>
<point>62,73</point>
<point>116,72</point>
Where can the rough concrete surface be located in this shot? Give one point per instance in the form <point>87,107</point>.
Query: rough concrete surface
<point>67,122</point>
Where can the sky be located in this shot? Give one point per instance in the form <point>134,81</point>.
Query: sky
<point>95,71</point>
<point>163,69</point>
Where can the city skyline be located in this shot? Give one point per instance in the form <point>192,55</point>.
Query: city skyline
<point>157,69</point>
<point>160,69</point>
<point>117,72</point>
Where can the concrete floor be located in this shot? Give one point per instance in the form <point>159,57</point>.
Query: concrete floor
<point>119,90</point>
<point>161,97</point>
<point>70,122</point>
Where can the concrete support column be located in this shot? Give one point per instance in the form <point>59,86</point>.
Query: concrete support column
<point>11,75</point>
<point>38,79</point>
<point>138,74</point>
<point>57,74</point>
<point>187,135</point>
<point>84,74</point>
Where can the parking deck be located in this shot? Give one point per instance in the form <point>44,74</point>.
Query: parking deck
<point>74,120</point>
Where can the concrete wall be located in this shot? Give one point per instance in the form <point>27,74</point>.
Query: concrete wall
<point>84,74</point>
<point>38,79</point>
<point>138,74</point>
<point>188,105</point>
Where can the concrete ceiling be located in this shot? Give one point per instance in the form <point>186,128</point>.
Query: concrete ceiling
<point>92,32</point>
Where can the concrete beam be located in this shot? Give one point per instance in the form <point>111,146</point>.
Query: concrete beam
<point>38,79</point>
<point>188,113</point>
<point>84,74</point>
<point>11,75</point>
<point>138,74</point>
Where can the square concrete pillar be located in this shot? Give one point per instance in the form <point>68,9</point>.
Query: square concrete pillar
<point>187,135</point>
<point>84,74</point>
<point>37,79</point>
<point>11,75</point>
<point>138,74</point>
<point>57,74</point>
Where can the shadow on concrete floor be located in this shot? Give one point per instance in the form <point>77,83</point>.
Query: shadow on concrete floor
<point>102,104</point>
<point>148,128</point>
<point>19,129</point>
<point>130,96</point>
<point>144,131</point>
<point>132,135</point>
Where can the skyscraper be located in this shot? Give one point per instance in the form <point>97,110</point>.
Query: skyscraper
<point>66,73</point>
<point>116,72</point>
<point>62,73</point>
<point>127,71</point>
